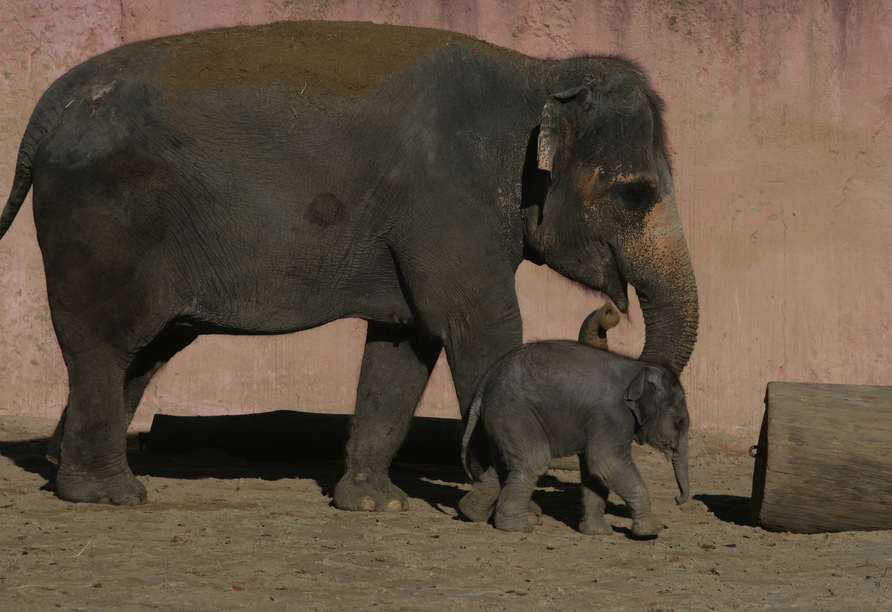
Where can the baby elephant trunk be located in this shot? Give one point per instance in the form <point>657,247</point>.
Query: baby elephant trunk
<point>680,467</point>
<point>594,329</point>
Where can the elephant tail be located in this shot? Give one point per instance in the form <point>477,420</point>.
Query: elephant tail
<point>46,115</point>
<point>473,417</point>
<point>21,184</point>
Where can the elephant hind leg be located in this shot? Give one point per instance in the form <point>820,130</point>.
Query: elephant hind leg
<point>150,359</point>
<point>93,450</point>
<point>144,366</point>
<point>514,506</point>
<point>105,387</point>
<point>594,502</point>
<point>478,504</point>
<point>396,366</point>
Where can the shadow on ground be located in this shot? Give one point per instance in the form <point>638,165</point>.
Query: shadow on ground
<point>435,484</point>
<point>729,508</point>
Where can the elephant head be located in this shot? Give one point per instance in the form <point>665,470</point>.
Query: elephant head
<point>605,212</point>
<point>658,403</point>
<point>594,329</point>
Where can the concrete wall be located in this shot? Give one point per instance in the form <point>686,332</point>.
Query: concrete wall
<point>779,114</point>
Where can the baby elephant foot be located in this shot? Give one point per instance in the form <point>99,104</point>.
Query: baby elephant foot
<point>477,507</point>
<point>595,526</point>
<point>534,513</point>
<point>368,490</point>
<point>517,522</point>
<point>648,525</point>
<point>478,504</point>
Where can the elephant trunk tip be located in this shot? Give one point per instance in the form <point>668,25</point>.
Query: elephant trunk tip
<point>594,329</point>
<point>681,498</point>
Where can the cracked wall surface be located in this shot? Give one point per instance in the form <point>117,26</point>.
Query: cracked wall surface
<point>779,118</point>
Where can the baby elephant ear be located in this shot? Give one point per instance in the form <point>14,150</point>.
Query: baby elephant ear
<point>550,121</point>
<point>641,397</point>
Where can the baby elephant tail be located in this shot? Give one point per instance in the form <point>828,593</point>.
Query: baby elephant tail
<point>473,416</point>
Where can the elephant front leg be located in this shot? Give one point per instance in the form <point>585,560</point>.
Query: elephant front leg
<point>622,477</point>
<point>396,366</point>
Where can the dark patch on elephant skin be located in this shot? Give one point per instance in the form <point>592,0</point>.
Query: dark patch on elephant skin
<point>325,210</point>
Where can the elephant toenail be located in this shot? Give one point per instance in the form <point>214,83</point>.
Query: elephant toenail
<point>360,476</point>
<point>394,506</point>
<point>368,504</point>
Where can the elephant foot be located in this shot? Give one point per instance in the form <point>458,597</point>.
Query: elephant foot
<point>122,489</point>
<point>518,522</point>
<point>368,491</point>
<point>478,504</point>
<point>648,525</point>
<point>595,526</point>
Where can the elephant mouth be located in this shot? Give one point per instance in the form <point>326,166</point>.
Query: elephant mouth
<point>616,287</point>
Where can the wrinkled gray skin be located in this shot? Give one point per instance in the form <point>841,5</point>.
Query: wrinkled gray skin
<point>559,398</point>
<point>593,330</point>
<point>265,180</point>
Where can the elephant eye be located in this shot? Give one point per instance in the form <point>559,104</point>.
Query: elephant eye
<point>638,195</point>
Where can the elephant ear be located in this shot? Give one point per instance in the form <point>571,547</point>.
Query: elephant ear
<point>550,123</point>
<point>642,398</point>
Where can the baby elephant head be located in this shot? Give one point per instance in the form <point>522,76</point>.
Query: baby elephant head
<point>594,329</point>
<point>657,400</point>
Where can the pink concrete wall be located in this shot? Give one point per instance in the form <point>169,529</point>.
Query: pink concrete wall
<point>779,115</point>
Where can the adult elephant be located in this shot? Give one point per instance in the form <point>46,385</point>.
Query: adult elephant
<point>264,180</point>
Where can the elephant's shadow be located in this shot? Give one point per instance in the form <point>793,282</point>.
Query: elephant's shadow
<point>562,501</point>
<point>439,486</point>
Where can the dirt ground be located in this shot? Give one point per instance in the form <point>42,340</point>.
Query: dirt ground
<point>220,533</point>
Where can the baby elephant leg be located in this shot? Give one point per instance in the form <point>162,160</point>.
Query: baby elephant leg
<point>515,501</point>
<point>594,502</point>
<point>478,504</point>
<point>622,477</point>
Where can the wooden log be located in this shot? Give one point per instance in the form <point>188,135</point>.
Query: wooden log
<point>290,435</point>
<point>824,459</point>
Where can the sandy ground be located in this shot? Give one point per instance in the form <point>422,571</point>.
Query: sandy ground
<point>221,533</point>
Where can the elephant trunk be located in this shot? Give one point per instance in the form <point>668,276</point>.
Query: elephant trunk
<point>680,467</point>
<point>671,312</point>
<point>594,329</point>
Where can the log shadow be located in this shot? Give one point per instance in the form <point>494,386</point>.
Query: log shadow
<point>733,509</point>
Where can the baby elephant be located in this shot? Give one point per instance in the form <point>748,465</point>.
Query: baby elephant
<point>558,398</point>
